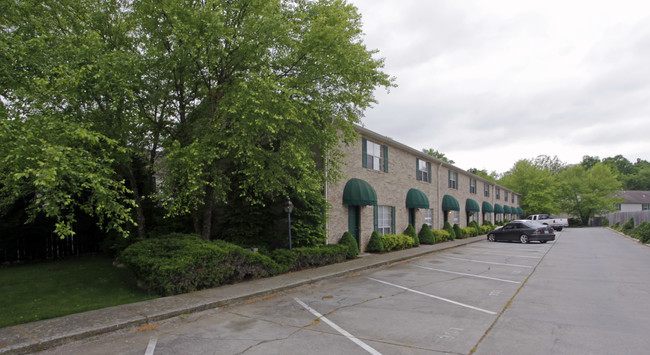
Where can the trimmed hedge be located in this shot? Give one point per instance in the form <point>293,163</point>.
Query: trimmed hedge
<point>441,235</point>
<point>388,242</point>
<point>353,248</point>
<point>185,263</point>
<point>628,226</point>
<point>426,235</point>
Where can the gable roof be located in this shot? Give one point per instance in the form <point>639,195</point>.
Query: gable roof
<point>635,196</point>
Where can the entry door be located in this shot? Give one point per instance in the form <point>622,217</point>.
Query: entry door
<point>354,218</point>
<point>412,217</point>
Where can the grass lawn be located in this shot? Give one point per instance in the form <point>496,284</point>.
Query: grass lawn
<point>51,289</point>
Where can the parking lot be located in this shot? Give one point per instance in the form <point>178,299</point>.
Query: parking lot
<point>472,299</point>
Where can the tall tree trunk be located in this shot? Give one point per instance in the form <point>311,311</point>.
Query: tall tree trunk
<point>139,212</point>
<point>207,213</point>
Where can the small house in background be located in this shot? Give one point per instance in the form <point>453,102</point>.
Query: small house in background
<point>634,201</point>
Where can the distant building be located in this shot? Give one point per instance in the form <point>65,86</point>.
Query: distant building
<point>634,201</point>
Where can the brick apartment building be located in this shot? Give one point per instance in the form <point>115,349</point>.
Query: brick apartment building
<point>388,185</point>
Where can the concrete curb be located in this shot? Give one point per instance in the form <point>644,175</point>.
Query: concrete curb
<point>49,333</point>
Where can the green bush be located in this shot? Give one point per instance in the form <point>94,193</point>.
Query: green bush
<point>392,242</point>
<point>351,243</point>
<point>628,226</point>
<point>617,226</point>
<point>319,256</point>
<point>485,229</point>
<point>605,222</point>
<point>410,231</point>
<point>441,235</point>
<point>450,230</point>
<point>376,244</point>
<point>476,227</point>
<point>469,232</point>
<point>458,232</point>
<point>426,235</point>
<point>184,263</point>
<point>642,232</point>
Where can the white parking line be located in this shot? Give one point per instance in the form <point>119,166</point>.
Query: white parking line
<point>436,297</point>
<point>487,262</point>
<point>365,346</point>
<point>470,275</point>
<point>152,346</point>
<point>513,256</point>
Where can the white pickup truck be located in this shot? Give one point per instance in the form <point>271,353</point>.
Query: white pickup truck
<point>556,223</point>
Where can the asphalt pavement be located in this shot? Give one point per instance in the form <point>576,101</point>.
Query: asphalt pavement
<point>49,333</point>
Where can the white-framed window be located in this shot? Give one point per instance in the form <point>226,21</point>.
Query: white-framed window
<point>453,180</point>
<point>428,217</point>
<point>456,216</point>
<point>472,186</point>
<point>513,197</point>
<point>374,156</point>
<point>645,206</point>
<point>384,219</point>
<point>487,217</point>
<point>423,172</point>
<point>497,193</point>
<point>505,196</point>
<point>618,206</point>
<point>486,190</point>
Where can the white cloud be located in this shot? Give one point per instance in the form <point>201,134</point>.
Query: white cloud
<point>489,83</point>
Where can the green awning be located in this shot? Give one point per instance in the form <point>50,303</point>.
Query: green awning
<point>359,193</point>
<point>449,203</point>
<point>521,211</point>
<point>471,206</point>
<point>498,208</point>
<point>487,207</point>
<point>506,209</point>
<point>416,199</point>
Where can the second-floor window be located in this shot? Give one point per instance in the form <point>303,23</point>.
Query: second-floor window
<point>645,207</point>
<point>423,172</point>
<point>375,156</point>
<point>486,190</point>
<point>472,186</point>
<point>497,193</point>
<point>505,195</point>
<point>453,180</point>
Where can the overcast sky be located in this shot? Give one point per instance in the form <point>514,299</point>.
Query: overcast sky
<point>490,82</point>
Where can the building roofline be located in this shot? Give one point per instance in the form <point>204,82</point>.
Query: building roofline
<point>371,134</point>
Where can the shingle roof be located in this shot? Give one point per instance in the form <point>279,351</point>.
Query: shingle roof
<point>635,196</point>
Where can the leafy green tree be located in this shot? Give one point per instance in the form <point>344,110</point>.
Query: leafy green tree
<point>588,192</point>
<point>438,155</point>
<point>536,184</point>
<point>640,179</point>
<point>588,161</point>
<point>492,176</point>
<point>242,100</point>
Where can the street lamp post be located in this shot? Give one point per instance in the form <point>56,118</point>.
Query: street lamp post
<point>288,207</point>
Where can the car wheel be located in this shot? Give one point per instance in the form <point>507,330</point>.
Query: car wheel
<point>491,237</point>
<point>559,229</point>
<point>523,239</point>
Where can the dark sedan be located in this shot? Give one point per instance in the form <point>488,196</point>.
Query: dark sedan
<point>523,231</point>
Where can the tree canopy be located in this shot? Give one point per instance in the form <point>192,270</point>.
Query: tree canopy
<point>131,109</point>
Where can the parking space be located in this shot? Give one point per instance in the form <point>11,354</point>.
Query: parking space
<point>440,303</point>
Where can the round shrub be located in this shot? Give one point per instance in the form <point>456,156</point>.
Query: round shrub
<point>351,243</point>
<point>426,235</point>
<point>458,232</point>
<point>375,245</point>
<point>410,231</point>
<point>450,230</point>
<point>441,235</point>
